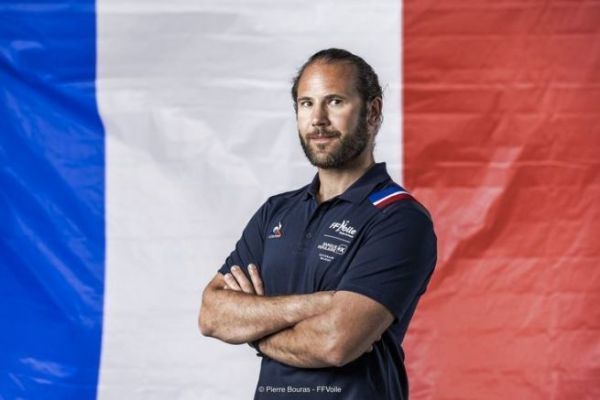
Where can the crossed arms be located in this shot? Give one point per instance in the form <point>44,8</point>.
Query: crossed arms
<point>316,330</point>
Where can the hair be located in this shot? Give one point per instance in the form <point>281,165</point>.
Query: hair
<point>367,81</point>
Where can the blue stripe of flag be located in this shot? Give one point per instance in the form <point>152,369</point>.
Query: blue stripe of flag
<point>52,243</point>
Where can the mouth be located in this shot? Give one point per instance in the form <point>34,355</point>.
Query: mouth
<point>322,137</point>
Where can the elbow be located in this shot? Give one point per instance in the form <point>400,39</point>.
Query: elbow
<point>211,322</point>
<point>206,320</point>
<point>210,329</point>
<point>209,326</point>
<point>338,358</point>
<point>204,323</point>
<point>337,353</point>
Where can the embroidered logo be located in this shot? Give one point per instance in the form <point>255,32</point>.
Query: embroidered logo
<point>277,232</point>
<point>333,248</point>
<point>343,228</point>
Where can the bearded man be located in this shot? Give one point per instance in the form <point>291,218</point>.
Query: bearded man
<point>325,279</point>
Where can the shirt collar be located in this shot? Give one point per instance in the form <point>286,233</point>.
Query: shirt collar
<point>359,189</point>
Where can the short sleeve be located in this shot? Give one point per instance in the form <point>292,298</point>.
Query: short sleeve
<point>249,248</point>
<point>395,262</point>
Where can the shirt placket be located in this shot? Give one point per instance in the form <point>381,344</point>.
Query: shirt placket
<point>314,221</point>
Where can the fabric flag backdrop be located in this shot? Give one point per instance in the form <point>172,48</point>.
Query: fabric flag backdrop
<point>137,138</point>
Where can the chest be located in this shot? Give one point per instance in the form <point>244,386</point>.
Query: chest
<point>308,250</point>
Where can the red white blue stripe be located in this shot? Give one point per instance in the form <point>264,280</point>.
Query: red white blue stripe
<point>390,195</point>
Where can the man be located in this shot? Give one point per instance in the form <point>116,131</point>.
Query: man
<point>325,279</point>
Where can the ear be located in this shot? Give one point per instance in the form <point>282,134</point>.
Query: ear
<point>374,110</point>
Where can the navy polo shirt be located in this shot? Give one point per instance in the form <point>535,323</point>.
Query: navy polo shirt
<point>373,239</point>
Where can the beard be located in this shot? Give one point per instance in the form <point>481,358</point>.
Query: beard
<point>348,149</point>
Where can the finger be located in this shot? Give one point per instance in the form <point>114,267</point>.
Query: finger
<point>256,280</point>
<point>232,283</point>
<point>241,279</point>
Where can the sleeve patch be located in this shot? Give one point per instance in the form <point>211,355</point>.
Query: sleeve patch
<point>390,195</point>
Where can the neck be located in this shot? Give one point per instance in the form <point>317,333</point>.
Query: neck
<point>335,181</point>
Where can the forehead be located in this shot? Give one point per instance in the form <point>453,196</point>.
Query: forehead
<point>322,79</point>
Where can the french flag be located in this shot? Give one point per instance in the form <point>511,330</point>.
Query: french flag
<point>138,137</point>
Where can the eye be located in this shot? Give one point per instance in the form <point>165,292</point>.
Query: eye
<point>335,101</point>
<point>305,103</point>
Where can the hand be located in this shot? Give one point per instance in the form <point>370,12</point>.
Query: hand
<point>237,280</point>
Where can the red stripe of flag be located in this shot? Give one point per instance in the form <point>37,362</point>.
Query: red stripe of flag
<point>502,144</point>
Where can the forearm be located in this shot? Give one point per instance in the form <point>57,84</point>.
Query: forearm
<point>237,317</point>
<point>332,338</point>
<point>308,344</point>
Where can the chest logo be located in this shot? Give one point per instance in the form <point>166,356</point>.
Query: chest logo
<point>277,232</point>
<point>343,228</point>
<point>333,248</point>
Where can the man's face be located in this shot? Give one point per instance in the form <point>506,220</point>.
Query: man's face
<point>332,120</point>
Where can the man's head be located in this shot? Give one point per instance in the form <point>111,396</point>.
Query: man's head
<point>338,102</point>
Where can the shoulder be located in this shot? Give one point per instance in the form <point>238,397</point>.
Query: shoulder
<point>395,204</point>
<point>401,225</point>
<point>285,198</point>
<point>281,201</point>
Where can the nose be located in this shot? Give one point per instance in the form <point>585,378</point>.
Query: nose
<point>319,116</point>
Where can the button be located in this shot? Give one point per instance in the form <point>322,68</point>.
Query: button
<point>309,235</point>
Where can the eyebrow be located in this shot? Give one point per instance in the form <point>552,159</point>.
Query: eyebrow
<point>328,97</point>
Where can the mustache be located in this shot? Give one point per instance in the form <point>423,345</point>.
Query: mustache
<point>322,133</point>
